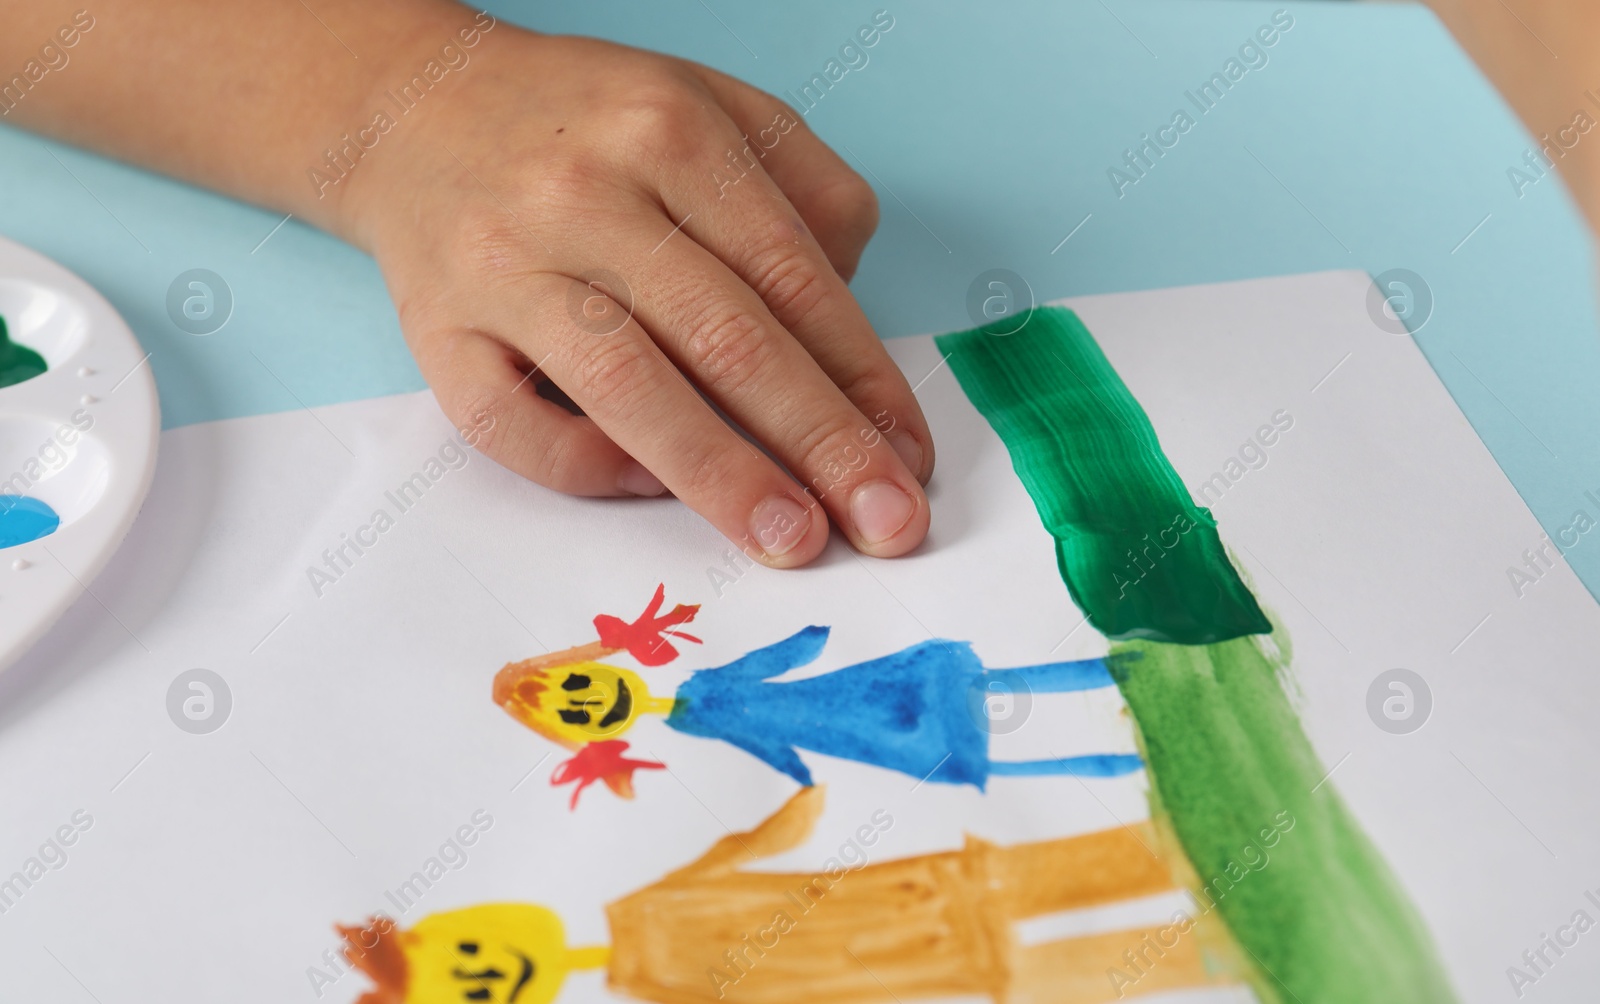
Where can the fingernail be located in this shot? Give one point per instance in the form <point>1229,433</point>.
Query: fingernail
<point>909,449</point>
<point>778,524</point>
<point>635,480</point>
<point>880,508</point>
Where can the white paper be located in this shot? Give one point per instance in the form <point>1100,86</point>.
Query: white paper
<point>362,733</point>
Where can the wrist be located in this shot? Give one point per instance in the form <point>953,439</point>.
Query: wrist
<point>384,158</point>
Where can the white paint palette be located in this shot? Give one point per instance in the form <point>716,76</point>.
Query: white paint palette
<point>79,439</point>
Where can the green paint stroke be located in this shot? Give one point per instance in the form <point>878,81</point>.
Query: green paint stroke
<point>1274,850</point>
<point>17,362</point>
<point>1323,917</point>
<point>1139,557</point>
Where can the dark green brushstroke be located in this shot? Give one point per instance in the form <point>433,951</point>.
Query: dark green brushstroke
<point>1324,919</point>
<point>1139,557</point>
<point>17,362</point>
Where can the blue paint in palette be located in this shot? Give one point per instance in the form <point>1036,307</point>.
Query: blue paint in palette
<point>23,519</point>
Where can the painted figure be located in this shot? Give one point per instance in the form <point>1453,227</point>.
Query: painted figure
<point>916,928</point>
<point>922,711</point>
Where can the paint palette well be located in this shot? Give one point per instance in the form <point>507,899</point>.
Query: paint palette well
<point>79,424</point>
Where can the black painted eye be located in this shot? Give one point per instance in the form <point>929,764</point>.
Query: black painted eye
<point>574,717</point>
<point>577,681</point>
<point>470,947</point>
<point>480,994</point>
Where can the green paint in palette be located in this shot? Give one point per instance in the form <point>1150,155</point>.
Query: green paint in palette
<point>17,362</point>
<point>1139,557</point>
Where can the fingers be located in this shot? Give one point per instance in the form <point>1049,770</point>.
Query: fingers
<point>485,387</point>
<point>755,234</point>
<point>635,395</point>
<point>719,332</point>
<point>751,229</point>
<point>837,205</point>
<point>787,271</point>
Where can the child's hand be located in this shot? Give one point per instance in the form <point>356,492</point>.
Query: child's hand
<point>569,183</point>
<point>554,206</point>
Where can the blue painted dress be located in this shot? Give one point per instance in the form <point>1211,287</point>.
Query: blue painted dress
<point>918,711</point>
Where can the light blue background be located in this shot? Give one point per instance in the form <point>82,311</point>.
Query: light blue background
<point>995,127</point>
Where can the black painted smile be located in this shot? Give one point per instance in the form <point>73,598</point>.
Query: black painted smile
<point>482,992</point>
<point>523,979</point>
<point>621,708</point>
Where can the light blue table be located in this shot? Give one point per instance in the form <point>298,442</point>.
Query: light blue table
<point>1368,141</point>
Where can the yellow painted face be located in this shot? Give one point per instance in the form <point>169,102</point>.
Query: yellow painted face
<point>589,701</point>
<point>496,953</point>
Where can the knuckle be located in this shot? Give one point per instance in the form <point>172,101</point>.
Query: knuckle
<point>423,310</point>
<point>728,347</point>
<point>483,418</point>
<point>790,281</point>
<point>556,462</point>
<point>874,383</point>
<point>708,471</point>
<point>831,453</point>
<point>770,106</point>
<point>664,120</point>
<point>614,370</point>
<point>560,182</point>
<point>849,198</point>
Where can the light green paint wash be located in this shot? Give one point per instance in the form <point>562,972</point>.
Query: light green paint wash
<point>17,362</point>
<point>1295,879</point>
<point>1139,557</point>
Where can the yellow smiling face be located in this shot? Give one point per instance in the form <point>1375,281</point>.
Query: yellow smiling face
<point>497,953</point>
<point>586,702</point>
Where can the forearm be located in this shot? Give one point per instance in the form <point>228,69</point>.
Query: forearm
<point>1545,59</point>
<point>245,98</point>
